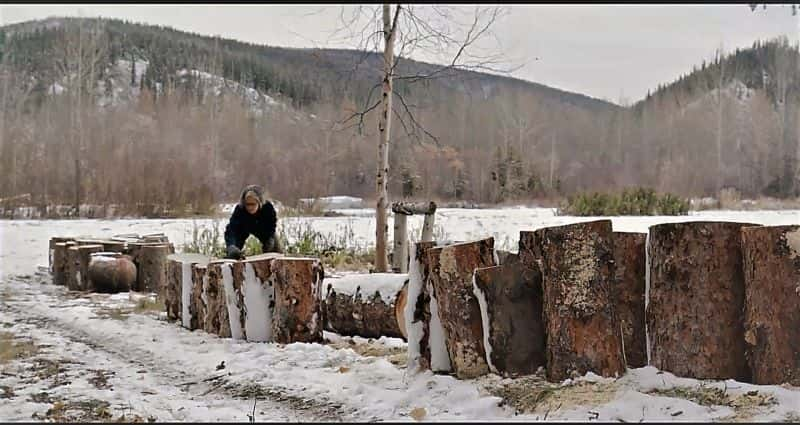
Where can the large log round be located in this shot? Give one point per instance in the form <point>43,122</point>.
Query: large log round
<point>696,300</point>
<point>52,248</point>
<point>79,256</point>
<point>583,333</point>
<point>197,308</point>
<point>256,295</point>
<point>451,272</point>
<point>215,317</point>
<point>298,314</point>
<point>631,261</point>
<point>60,262</point>
<point>772,312</point>
<point>178,292</point>
<point>364,304</point>
<point>511,302</point>
<point>417,312</point>
<point>151,266</point>
<point>111,274</point>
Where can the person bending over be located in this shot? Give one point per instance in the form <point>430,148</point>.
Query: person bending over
<point>255,216</point>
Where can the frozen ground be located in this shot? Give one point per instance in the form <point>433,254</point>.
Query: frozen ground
<point>67,356</point>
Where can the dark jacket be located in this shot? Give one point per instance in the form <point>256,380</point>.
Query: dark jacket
<point>261,225</point>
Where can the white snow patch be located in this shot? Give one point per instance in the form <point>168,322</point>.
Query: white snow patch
<point>485,319</point>
<point>386,284</point>
<point>414,329</point>
<point>258,301</point>
<point>440,358</point>
<point>186,294</point>
<point>234,314</point>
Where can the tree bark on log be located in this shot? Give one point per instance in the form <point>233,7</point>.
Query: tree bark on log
<point>112,274</point>
<point>151,267</point>
<point>178,292</point>
<point>298,314</point>
<point>60,265</point>
<point>71,267</point>
<point>197,308</point>
<point>417,313</point>
<point>696,300</point>
<point>216,319</point>
<point>81,256</point>
<point>353,307</point>
<point>772,316</point>
<point>511,299</point>
<point>451,272</point>
<point>583,333</point>
<point>52,248</point>
<point>253,283</point>
<point>630,264</point>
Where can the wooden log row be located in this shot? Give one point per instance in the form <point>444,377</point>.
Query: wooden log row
<point>365,305</point>
<point>263,298</point>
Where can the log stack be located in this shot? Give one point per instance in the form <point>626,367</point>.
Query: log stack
<point>696,300</point>
<point>772,291</point>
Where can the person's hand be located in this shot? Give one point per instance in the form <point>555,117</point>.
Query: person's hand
<point>235,253</point>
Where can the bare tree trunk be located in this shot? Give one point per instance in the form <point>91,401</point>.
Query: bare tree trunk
<point>719,120</point>
<point>384,129</point>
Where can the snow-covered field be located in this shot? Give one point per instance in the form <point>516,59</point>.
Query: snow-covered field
<point>101,356</point>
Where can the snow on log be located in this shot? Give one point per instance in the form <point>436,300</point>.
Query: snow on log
<point>252,277</point>
<point>363,304</point>
<point>151,267</point>
<point>416,314</point>
<point>772,295</point>
<point>111,272</point>
<point>178,292</point>
<point>577,266</point>
<point>451,272</point>
<point>215,318</point>
<point>298,285</point>
<point>630,263</point>
<point>696,300</point>
<point>510,297</point>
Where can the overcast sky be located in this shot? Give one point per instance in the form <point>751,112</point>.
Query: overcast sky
<point>604,51</point>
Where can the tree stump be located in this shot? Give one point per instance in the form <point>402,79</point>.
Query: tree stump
<point>197,307</point>
<point>178,291</point>
<point>256,295</point>
<point>630,264</point>
<point>364,305</point>
<point>111,272</point>
<point>216,320</point>
<point>71,267</point>
<point>451,272</point>
<point>583,333</point>
<point>151,266</point>
<point>696,300</point>
<point>60,264</point>
<point>510,296</point>
<point>298,285</point>
<point>772,291</point>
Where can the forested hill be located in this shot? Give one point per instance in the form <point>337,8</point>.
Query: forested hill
<point>106,111</point>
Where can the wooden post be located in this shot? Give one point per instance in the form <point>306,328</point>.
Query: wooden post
<point>60,262</point>
<point>577,266</point>
<point>510,296</point>
<point>772,316</point>
<point>298,285</point>
<point>427,227</point>
<point>696,300</point>
<point>451,275</point>
<point>630,262</point>
<point>400,256</point>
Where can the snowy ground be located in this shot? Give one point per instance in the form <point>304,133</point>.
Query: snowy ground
<point>67,356</point>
